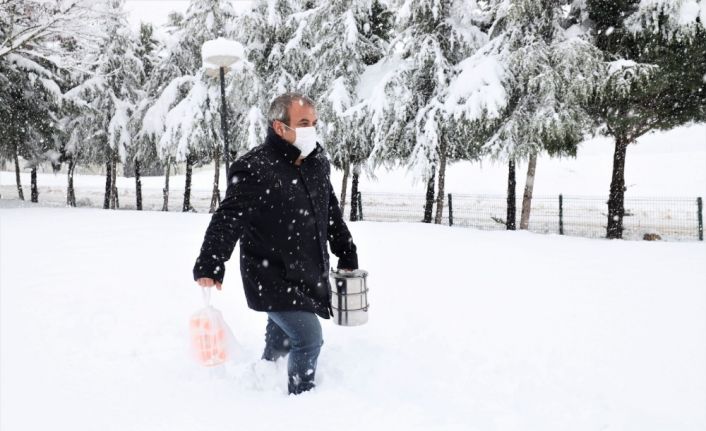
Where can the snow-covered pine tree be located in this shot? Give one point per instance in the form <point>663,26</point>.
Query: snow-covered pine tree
<point>655,53</point>
<point>152,117</point>
<point>279,35</point>
<point>142,155</point>
<point>29,24</point>
<point>31,96</point>
<point>81,142</point>
<point>68,145</point>
<point>31,102</point>
<point>434,36</point>
<point>111,93</point>
<point>260,30</point>
<point>192,131</point>
<point>194,124</point>
<point>547,73</point>
<point>164,88</point>
<point>76,143</point>
<point>345,39</point>
<point>273,33</point>
<point>182,112</point>
<point>381,21</point>
<point>147,48</point>
<point>75,46</point>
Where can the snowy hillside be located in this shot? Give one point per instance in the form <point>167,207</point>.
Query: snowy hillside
<point>468,330</point>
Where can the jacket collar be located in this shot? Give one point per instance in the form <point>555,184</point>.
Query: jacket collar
<point>287,150</point>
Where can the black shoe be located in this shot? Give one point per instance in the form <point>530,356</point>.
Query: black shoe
<point>297,386</point>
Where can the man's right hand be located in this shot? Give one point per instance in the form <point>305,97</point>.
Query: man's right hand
<point>208,282</point>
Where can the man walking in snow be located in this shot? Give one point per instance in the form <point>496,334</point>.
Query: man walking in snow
<point>281,206</point>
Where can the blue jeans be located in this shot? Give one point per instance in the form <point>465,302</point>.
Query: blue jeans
<point>299,334</point>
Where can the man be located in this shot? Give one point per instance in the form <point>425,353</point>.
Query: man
<point>281,206</point>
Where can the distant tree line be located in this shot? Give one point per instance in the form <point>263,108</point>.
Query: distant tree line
<point>417,84</point>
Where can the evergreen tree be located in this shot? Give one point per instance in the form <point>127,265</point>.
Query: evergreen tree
<point>111,94</point>
<point>434,37</point>
<point>278,54</point>
<point>655,58</point>
<point>142,155</point>
<point>142,158</point>
<point>547,73</point>
<point>31,102</point>
<point>32,26</point>
<point>278,32</point>
<point>168,83</point>
<point>30,94</point>
<point>343,44</point>
<point>77,142</point>
<point>147,48</point>
<point>182,113</point>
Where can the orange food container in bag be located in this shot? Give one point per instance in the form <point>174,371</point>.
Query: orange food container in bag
<point>209,334</point>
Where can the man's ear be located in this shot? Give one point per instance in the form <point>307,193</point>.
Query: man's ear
<point>279,131</point>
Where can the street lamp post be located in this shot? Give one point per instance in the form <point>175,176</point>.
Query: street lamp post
<point>224,125</point>
<point>218,55</point>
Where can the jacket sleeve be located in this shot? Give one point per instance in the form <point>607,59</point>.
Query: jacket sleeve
<point>241,203</point>
<point>339,237</point>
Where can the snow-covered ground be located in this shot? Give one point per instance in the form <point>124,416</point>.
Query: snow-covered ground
<point>469,330</point>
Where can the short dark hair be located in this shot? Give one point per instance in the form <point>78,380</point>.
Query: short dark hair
<point>279,108</point>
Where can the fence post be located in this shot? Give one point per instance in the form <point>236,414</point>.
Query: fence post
<point>700,206</point>
<point>451,211</point>
<point>360,206</point>
<point>561,214</point>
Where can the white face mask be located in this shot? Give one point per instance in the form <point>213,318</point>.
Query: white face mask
<point>305,140</point>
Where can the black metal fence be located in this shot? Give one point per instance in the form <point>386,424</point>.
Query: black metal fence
<point>670,218</point>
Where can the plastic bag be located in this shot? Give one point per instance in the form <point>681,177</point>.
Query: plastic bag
<point>211,338</point>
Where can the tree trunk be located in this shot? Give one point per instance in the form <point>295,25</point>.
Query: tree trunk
<point>165,190</point>
<point>138,186</point>
<point>511,206</point>
<point>527,197</point>
<point>442,178</point>
<point>17,175</point>
<point>216,195</point>
<point>70,191</point>
<point>114,203</point>
<point>616,200</point>
<point>354,193</point>
<point>34,192</point>
<point>344,186</point>
<point>429,206</point>
<point>108,185</point>
<point>187,187</point>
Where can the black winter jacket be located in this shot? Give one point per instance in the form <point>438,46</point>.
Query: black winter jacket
<point>282,215</point>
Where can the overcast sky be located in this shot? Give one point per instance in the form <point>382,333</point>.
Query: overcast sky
<point>156,11</point>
